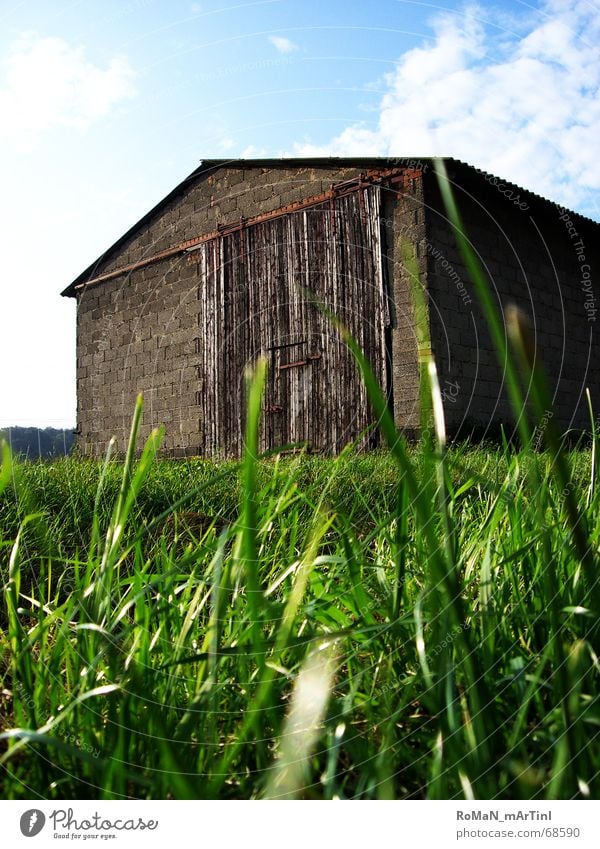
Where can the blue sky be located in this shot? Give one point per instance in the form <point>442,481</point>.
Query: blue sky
<point>107,105</point>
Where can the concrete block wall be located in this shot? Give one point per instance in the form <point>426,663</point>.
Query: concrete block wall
<point>531,259</point>
<point>403,221</point>
<point>136,335</point>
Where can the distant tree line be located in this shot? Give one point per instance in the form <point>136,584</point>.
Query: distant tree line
<point>38,443</point>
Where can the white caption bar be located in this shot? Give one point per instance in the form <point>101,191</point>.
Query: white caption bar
<point>302,825</point>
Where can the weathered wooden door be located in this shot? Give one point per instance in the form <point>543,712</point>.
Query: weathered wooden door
<point>263,293</point>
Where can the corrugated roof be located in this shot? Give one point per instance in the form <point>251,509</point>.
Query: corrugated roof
<point>207,165</point>
<point>532,196</point>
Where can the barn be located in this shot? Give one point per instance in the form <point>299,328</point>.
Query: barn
<point>227,268</point>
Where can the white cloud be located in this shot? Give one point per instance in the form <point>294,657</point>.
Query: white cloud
<point>524,106</point>
<point>253,151</point>
<point>282,44</point>
<point>49,83</point>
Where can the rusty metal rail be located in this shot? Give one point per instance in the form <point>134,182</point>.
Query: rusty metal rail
<point>393,176</point>
<point>299,363</point>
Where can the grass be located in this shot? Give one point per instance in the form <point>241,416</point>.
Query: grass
<point>153,658</point>
<point>414,623</point>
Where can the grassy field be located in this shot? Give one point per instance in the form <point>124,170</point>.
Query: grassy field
<point>416,623</point>
<point>298,626</point>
